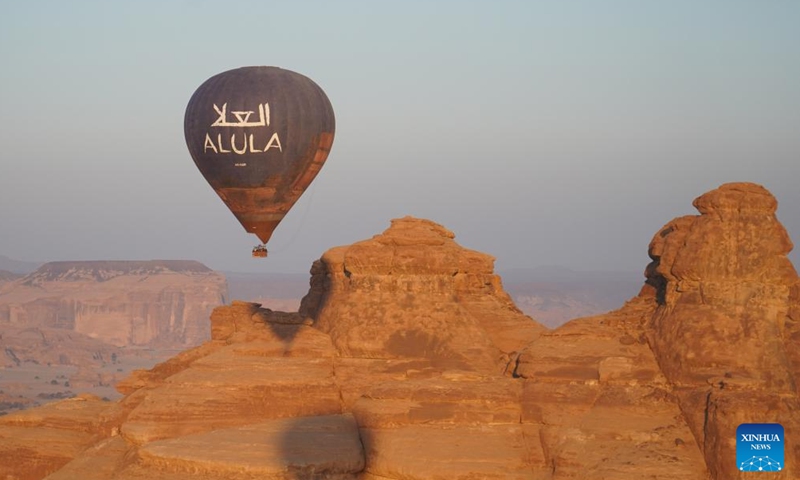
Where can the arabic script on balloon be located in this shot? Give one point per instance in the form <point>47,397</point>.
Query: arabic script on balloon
<point>244,142</point>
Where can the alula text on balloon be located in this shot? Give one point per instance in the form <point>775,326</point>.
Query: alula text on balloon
<point>243,142</point>
<point>240,144</point>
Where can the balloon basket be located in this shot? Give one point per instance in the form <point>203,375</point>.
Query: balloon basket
<point>260,251</point>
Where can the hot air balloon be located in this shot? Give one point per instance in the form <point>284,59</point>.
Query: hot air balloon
<point>259,136</point>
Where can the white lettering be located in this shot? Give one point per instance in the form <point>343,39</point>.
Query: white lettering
<point>239,115</point>
<point>252,149</point>
<point>209,144</point>
<point>274,142</point>
<point>219,142</point>
<point>233,145</point>
<point>242,117</point>
<point>761,437</point>
<point>221,113</point>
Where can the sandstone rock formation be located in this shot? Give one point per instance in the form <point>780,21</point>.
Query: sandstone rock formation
<point>408,361</point>
<point>413,292</point>
<point>32,442</point>
<point>155,303</point>
<point>602,408</point>
<point>711,341</point>
<point>726,331</point>
<point>551,295</point>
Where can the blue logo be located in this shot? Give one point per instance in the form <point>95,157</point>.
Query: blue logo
<point>759,447</point>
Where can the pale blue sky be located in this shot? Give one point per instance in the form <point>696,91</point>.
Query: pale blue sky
<point>544,133</point>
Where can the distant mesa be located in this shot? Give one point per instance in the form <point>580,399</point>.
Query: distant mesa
<point>162,303</point>
<point>407,360</point>
<point>91,322</point>
<point>104,270</point>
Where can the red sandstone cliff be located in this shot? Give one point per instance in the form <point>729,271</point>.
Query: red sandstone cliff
<point>154,303</point>
<point>414,292</point>
<point>408,361</point>
<point>726,330</point>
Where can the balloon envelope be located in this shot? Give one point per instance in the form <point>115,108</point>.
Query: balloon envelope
<point>259,136</point>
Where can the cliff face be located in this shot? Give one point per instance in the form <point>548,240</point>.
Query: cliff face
<point>407,361</point>
<point>726,331</point>
<point>414,292</point>
<point>155,303</point>
<point>711,342</point>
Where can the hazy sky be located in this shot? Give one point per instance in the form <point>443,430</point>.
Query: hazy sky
<point>543,133</point>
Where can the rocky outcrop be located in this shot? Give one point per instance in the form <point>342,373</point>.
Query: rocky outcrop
<point>229,383</point>
<point>711,342</point>
<point>343,389</point>
<point>413,292</point>
<point>726,332</point>
<point>148,303</point>
<point>599,402</point>
<point>339,407</point>
<point>34,443</point>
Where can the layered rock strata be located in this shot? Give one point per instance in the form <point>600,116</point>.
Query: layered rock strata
<point>413,292</point>
<point>407,361</point>
<point>137,303</point>
<point>726,331</point>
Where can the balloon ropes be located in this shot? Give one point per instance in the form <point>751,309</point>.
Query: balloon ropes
<point>259,136</point>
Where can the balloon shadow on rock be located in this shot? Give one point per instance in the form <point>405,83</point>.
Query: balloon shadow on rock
<point>321,447</point>
<point>322,443</point>
<point>283,325</point>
